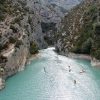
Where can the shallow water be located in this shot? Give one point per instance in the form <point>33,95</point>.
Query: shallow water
<point>48,78</point>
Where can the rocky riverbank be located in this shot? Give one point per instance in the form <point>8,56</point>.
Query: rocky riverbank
<point>94,62</point>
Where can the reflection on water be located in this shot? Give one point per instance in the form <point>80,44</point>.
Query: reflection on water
<point>48,78</point>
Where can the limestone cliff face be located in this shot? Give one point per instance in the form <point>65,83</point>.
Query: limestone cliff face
<point>20,35</point>
<point>80,30</point>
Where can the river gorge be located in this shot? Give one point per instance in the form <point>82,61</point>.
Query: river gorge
<point>47,77</point>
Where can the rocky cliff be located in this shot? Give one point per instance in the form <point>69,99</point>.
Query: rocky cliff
<point>80,30</point>
<point>20,35</point>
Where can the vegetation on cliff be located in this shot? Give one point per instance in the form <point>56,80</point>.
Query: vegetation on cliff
<point>16,36</point>
<point>33,48</point>
<point>2,9</point>
<point>82,29</point>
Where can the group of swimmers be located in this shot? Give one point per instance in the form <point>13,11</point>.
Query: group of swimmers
<point>82,71</point>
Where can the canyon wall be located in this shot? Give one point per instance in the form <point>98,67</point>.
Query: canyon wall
<point>79,31</point>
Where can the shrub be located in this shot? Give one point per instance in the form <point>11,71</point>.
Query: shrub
<point>15,30</point>
<point>2,1</point>
<point>1,47</point>
<point>96,28</point>
<point>3,59</point>
<point>30,20</point>
<point>33,48</point>
<point>4,46</point>
<point>18,43</point>
<point>2,10</point>
<point>92,9</point>
<point>96,54</point>
<point>76,49</point>
<point>2,17</point>
<point>47,26</point>
<point>86,46</point>
<point>12,40</point>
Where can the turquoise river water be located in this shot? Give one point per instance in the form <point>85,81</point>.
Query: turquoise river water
<point>48,78</point>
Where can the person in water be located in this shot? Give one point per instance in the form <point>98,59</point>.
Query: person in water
<point>44,70</point>
<point>69,69</point>
<point>74,81</point>
<point>83,71</point>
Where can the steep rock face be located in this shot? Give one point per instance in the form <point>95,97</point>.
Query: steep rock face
<point>80,30</point>
<point>20,35</point>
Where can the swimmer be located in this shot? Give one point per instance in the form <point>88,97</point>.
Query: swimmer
<point>74,81</point>
<point>83,71</point>
<point>44,70</point>
<point>69,69</point>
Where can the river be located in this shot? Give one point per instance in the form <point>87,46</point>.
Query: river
<point>48,78</point>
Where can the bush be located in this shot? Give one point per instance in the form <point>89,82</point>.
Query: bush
<point>86,46</point>
<point>92,9</point>
<point>15,30</point>
<point>2,1</point>
<point>17,20</point>
<point>2,10</point>
<point>18,43</point>
<point>3,59</point>
<point>76,50</point>
<point>1,47</point>
<point>33,48</point>
<point>96,54</point>
<point>4,46</point>
<point>30,20</point>
<point>48,26</point>
<point>2,17</point>
<point>96,28</point>
<point>12,40</point>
